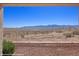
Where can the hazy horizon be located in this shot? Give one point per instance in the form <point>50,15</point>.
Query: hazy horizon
<point>40,15</point>
<point>40,25</point>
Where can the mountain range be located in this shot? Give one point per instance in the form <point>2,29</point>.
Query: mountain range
<point>43,27</point>
<point>46,27</point>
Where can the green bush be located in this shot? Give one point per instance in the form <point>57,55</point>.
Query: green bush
<point>8,48</point>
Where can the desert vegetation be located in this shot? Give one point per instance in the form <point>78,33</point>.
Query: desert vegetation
<point>8,48</point>
<point>72,33</point>
<point>76,32</point>
<point>56,35</point>
<point>68,35</point>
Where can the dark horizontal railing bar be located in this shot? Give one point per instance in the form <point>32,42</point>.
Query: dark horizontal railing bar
<point>47,44</point>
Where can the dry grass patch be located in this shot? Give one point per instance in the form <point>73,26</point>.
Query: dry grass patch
<point>68,34</point>
<point>76,32</point>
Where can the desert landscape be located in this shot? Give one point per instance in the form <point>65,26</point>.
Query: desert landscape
<point>54,36</point>
<point>51,40</point>
<point>41,30</point>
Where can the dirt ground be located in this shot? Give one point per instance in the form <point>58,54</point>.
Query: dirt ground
<point>47,49</point>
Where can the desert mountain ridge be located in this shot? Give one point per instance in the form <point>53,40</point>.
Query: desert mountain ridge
<point>44,27</point>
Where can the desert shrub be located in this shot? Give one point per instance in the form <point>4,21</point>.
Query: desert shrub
<point>8,48</point>
<point>76,32</point>
<point>59,30</point>
<point>68,35</point>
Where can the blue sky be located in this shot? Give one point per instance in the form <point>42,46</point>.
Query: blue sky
<point>40,15</point>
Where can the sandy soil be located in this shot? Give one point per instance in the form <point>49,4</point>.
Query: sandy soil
<point>52,37</point>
